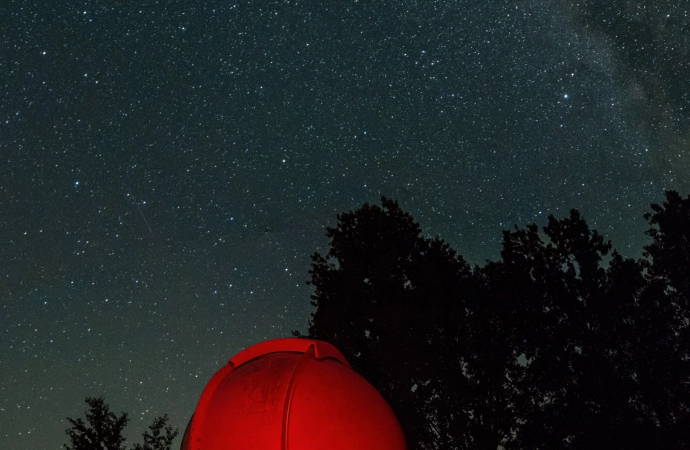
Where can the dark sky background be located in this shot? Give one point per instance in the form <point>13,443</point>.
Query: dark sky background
<point>167,167</point>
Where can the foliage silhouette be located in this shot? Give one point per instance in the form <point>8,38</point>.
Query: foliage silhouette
<point>668,268</point>
<point>544,348</point>
<point>155,440</point>
<point>103,430</point>
<point>670,248</point>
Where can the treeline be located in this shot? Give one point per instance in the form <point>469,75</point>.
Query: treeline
<point>102,430</point>
<point>548,347</point>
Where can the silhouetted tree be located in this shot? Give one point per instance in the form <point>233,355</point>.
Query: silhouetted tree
<point>103,431</point>
<point>396,303</point>
<point>569,320</point>
<point>670,248</point>
<point>604,360</point>
<point>668,350</point>
<point>155,440</point>
<point>545,348</point>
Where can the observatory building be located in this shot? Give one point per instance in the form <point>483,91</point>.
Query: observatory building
<point>291,394</point>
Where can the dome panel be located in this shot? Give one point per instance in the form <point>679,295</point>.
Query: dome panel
<point>336,404</point>
<point>294,394</point>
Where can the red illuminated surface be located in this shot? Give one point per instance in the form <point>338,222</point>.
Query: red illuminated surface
<point>294,394</point>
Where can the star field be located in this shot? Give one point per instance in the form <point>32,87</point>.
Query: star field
<point>167,168</point>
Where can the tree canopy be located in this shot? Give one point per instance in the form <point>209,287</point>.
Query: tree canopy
<point>156,440</point>
<point>548,347</point>
<point>102,430</point>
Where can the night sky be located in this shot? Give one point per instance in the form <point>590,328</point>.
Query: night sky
<point>167,167</point>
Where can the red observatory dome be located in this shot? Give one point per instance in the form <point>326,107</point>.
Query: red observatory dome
<point>291,394</point>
